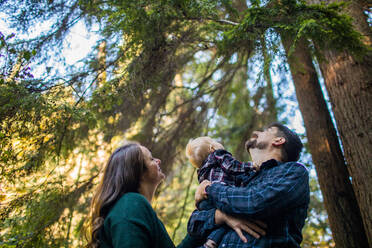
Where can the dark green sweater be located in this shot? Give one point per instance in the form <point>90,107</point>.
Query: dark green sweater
<point>132,222</point>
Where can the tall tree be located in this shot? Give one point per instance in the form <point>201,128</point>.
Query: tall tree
<point>62,125</point>
<point>349,84</point>
<point>339,198</point>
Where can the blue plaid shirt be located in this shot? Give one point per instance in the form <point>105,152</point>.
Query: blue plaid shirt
<point>278,194</point>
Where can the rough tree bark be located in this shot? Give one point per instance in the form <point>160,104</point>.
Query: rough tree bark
<point>349,85</point>
<point>339,198</point>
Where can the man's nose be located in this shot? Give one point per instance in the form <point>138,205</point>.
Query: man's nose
<point>158,161</point>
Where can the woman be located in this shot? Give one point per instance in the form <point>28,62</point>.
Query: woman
<point>121,212</point>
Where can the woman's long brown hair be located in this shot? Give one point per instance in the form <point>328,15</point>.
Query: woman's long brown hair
<point>122,174</point>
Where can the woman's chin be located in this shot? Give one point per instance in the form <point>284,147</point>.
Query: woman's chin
<point>161,175</point>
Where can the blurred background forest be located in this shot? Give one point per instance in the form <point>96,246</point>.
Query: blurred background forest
<point>163,71</point>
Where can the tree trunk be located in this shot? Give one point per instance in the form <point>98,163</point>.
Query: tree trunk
<point>349,85</point>
<point>271,111</point>
<point>339,198</point>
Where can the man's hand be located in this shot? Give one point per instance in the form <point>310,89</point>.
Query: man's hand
<point>254,228</point>
<point>200,193</point>
<point>210,244</point>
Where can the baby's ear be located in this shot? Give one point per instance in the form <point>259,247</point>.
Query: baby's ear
<point>217,146</point>
<point>211,148</point>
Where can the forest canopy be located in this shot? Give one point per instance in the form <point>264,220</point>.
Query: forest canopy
<point>161,72</point>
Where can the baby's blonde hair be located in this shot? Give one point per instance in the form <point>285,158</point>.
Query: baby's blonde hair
<point>197,150</point>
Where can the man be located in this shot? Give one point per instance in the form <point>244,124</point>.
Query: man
<point>277,193</point>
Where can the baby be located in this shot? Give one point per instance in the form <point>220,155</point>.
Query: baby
<point>216,165</point>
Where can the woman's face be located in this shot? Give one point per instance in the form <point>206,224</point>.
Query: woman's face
<point>153,174</point>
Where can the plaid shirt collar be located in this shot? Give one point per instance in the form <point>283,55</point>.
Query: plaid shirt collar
<point>269,164</point>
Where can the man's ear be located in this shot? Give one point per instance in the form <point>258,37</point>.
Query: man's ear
<point>278,141</point>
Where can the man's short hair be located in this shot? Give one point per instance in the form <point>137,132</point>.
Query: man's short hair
<point>292,147</point>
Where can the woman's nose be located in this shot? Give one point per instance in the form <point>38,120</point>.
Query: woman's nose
<point>158,161</point>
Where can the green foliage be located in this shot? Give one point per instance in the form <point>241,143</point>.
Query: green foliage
<point>36,126</point>
<point>327,27</point>
<point>34,225</point>
<point>324,24</point>
<point>316,231</point>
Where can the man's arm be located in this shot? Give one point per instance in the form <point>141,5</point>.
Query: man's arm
<point>201,223</point>
<point>287,188</point>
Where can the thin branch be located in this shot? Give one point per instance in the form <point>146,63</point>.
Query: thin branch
<point>200,93</point>
<point>184,204</point>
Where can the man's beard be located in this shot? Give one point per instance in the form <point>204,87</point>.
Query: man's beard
<point>252,143</point>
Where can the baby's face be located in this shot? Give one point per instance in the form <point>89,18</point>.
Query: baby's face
<point>194,163</point>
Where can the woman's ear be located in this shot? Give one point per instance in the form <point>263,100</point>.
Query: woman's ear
<point>278,141</point>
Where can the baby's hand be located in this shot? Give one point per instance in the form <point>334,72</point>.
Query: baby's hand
<point>200,193</point>
<point>210,244</point>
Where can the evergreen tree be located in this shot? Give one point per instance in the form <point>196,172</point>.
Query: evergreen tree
<point>346,222</point>
<point>162,72</point>
<point>348,81</point>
